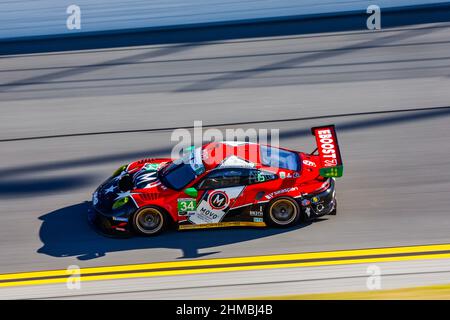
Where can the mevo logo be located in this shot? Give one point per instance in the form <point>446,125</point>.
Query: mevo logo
<point>218,200</point>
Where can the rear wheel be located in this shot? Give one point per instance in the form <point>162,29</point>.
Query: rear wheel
<point>283,212</point>
<point>149,221</point>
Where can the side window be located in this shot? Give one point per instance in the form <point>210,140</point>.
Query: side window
<point>223,179</point>
<point>226,178</point>
<point>258,176</point>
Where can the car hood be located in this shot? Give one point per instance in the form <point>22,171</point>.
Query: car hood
<point>131,182</point>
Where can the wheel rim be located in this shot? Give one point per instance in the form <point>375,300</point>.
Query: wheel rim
<point>149,220</point>
<point>283,211</point>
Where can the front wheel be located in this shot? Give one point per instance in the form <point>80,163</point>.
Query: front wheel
<point>283,212</point>
<point>149,221</point>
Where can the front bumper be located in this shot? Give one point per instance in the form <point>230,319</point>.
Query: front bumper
<point>108,225</point>
<point>107,221</point>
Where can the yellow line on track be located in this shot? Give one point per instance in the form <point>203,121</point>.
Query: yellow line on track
<point>173,268</point>
<point>435,292</point>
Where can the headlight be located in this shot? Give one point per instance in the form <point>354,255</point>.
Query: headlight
<point>120,203</point>
<point>119,171</point>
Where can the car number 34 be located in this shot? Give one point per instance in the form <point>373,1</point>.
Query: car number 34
<point>185,205</point>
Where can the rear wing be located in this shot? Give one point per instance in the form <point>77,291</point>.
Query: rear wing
<point>328,149</point>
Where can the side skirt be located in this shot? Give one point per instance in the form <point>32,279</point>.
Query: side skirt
<point>221,225</point>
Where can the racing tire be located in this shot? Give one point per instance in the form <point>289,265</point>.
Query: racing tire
<point>282,212</point>
<point>149,221</point>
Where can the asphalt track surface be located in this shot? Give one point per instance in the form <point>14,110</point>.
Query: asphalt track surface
<point>69,119</point>
<point>246,284</point>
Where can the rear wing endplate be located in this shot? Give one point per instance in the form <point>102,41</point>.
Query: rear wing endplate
<point>329,152</point>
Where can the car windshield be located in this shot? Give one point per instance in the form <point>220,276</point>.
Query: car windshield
<point>183,171</point>
<point>278,158</point>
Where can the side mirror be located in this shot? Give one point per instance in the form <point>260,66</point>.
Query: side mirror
<point>192,192</point>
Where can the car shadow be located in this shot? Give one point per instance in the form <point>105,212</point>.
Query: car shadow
<point>66,232</point>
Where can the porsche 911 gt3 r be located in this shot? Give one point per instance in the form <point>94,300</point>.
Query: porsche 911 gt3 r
<point>221,184</point>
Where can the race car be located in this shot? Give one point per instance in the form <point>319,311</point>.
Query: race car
<point>221,184</point>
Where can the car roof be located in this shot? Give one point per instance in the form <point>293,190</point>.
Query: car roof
<point>232,154</point>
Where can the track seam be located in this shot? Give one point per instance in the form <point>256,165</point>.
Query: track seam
<point>225,124</point>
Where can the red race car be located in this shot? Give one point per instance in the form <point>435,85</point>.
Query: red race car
<point>221,184</point>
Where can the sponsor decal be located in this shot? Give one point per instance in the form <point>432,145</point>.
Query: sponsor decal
<point>306,202</point>
<point>332,171</point>
<point>327,146</point>
<point>186,205</point>
<point>309,163</point>
<point>329,153</point>
<point>271,195</point>
<point>120,219</point>
<point>308,211</point>
<point>186,214</point>
<point>258,220</point>
<point>218,200</point>
<point>213,206</point>
<point>146,178</point>
<point>151,166</point>
<point>256,213</point>
<point>328,149</point>
<point>260,177</point>
<point>315,200</point>
<point>296,174</point>
<point>209,214</point>
<point>284,175</point>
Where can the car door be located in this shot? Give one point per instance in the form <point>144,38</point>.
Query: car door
<point>220,189</point>
<point>258,184</point>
